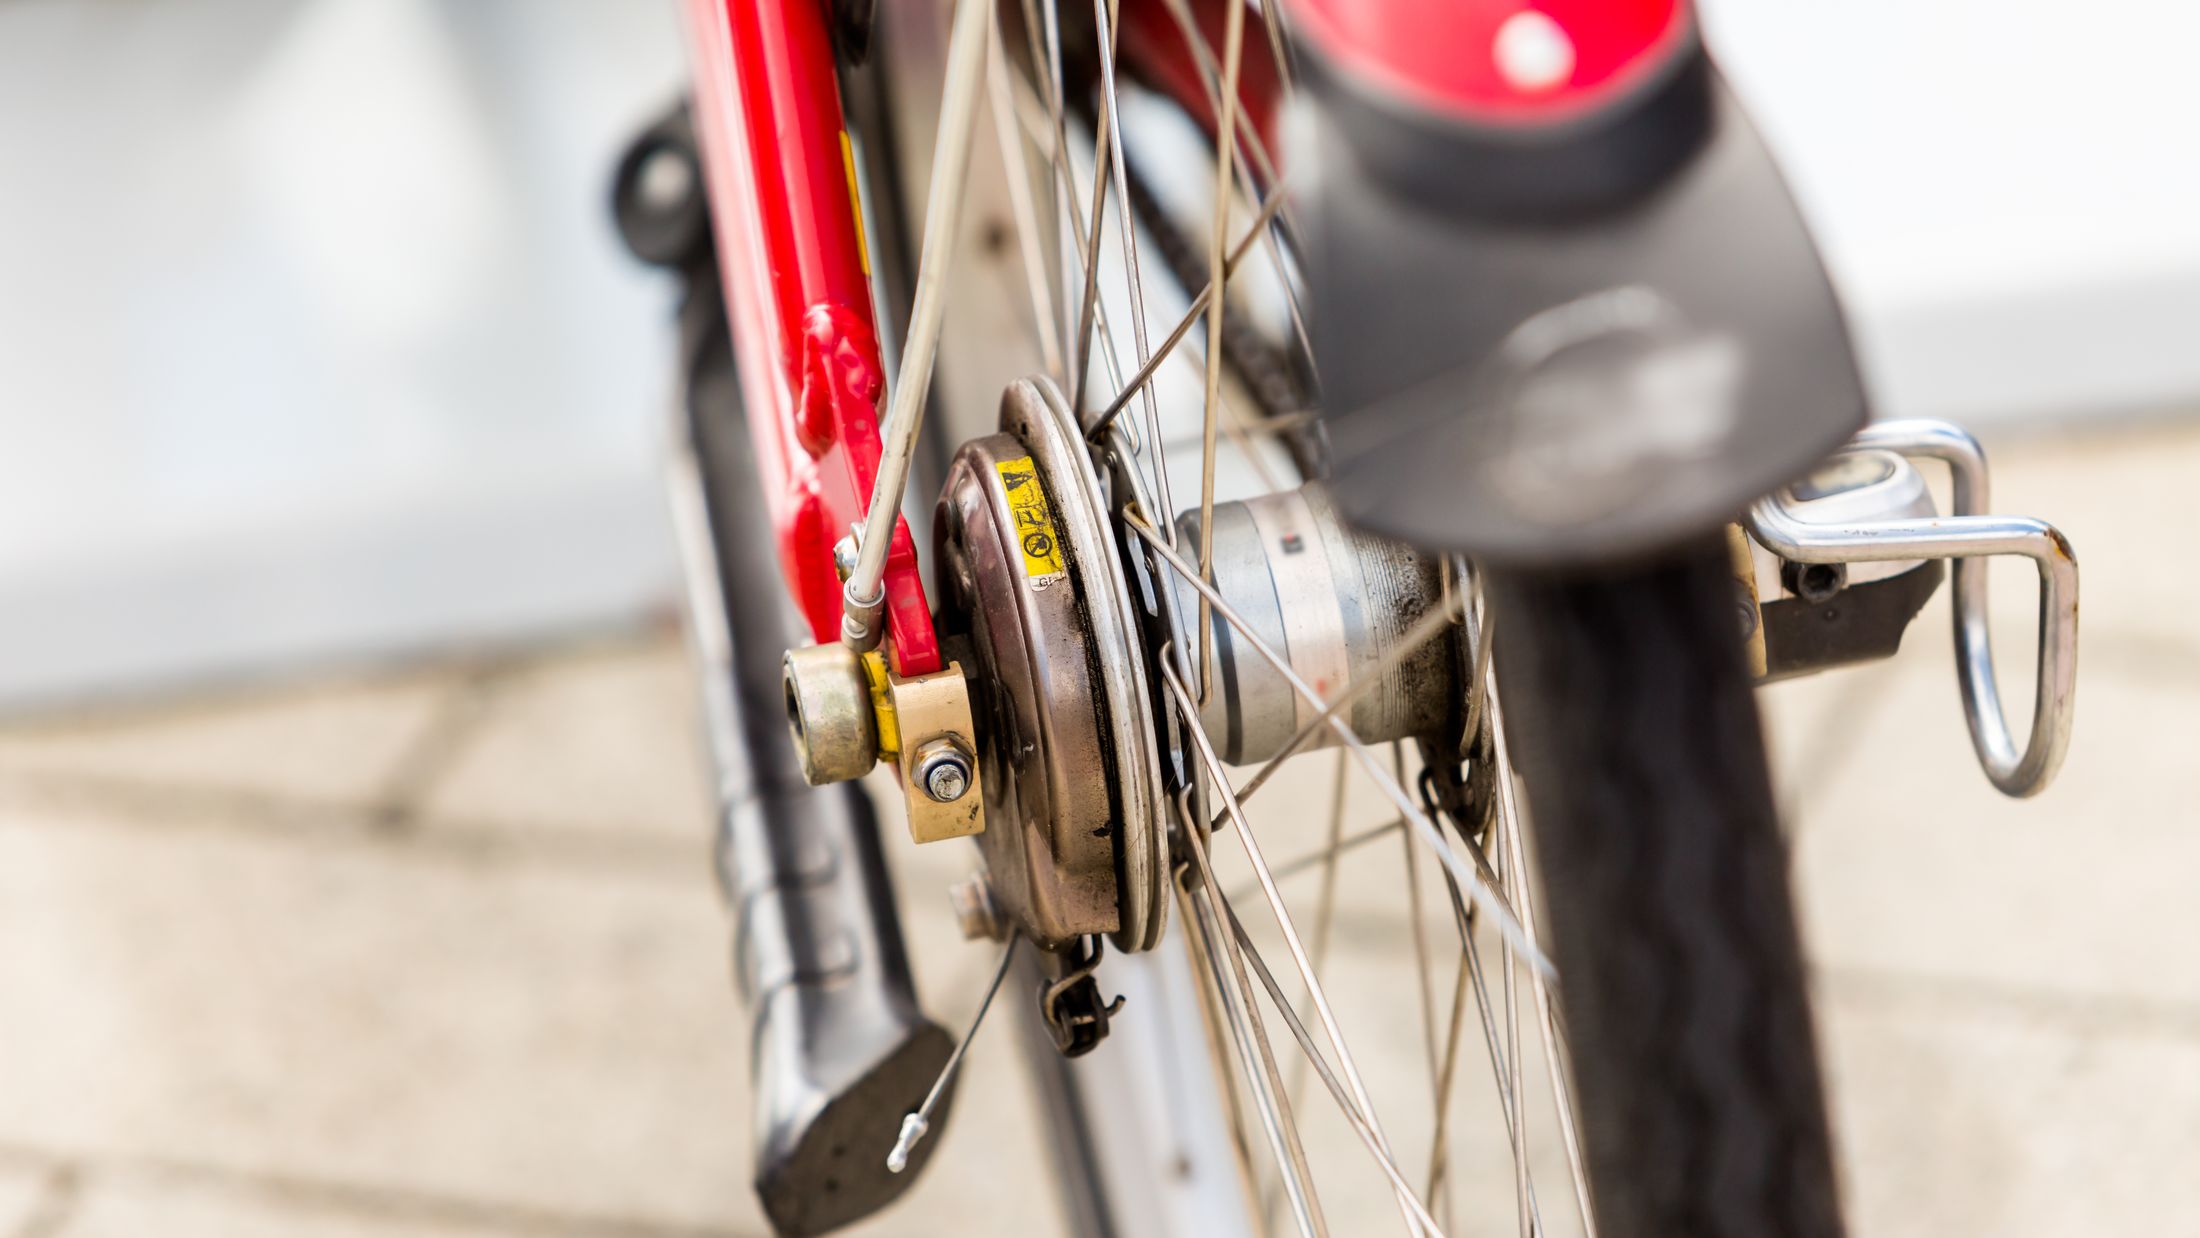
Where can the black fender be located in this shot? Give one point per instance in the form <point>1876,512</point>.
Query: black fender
<point>1568,342</point>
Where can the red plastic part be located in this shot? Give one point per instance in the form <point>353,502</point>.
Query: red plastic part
<point>769,122</point>
<point>1151,48</point>
<point>1565,57</point>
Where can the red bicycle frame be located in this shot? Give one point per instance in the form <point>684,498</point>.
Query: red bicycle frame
<point>796,269</point>
<point>798,295</point>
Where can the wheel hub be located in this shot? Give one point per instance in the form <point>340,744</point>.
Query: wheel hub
<point>1036,605</point>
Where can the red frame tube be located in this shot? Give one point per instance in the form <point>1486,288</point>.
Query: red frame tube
<point>797,286</point>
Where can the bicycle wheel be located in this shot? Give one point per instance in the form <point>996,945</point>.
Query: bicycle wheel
<point>1635,733</point>
<point>1311,1068</point>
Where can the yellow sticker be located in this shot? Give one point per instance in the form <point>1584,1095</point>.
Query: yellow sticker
<point>855,202</point>
<point>1035,532</point>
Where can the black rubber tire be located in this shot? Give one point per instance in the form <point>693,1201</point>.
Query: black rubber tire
<point>1666,906</point>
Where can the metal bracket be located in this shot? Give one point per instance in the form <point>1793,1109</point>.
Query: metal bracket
<point>1968,537</point>
<point>932,714</point>
<point>849,712</point>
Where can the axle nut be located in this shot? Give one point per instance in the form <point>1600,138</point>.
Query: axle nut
<point>943,770</point>
<point>829,710</point>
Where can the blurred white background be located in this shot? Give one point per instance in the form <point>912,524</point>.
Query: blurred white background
<point>315,339</point>
<point>316,343</point>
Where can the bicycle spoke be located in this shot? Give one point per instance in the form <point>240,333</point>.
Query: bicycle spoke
<point>1044,34</point>
<point>1226,964</point>
<point>1112,142</point>
<point>1189,710</point>
<point>1026,215</point>
<point>1203,57</point>
<point>1418,1215</point>
<point>1183,327</point>
<point>1500,1060</point>
<point>1247,954</point>
<point>1471,975</point>
<point>1063,168</point>
<point>1418,920</point>
<point>1508,811</point>
<point>1217,240</point>
<point>1516,1115</point>
<point>1079,259</point>
<point>1484,894</point>
<point>1102,170</point>
<point>1279,44</point>
<point>1438,1151</point>
<point>1477,618</point>
<point>1425,630</point>
<point>1293,867</point>
<point>1211,1024</point>
<point>1325,910</point>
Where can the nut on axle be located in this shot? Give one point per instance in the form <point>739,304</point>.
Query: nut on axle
<point>829,710</point>
<point>848,712</point>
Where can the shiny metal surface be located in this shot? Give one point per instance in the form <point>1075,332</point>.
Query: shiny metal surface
<point>1065,747</point>
<point>1854,487</point>
<point>1968,537</point>
<point>1352,1096</point>
<point>1036,411</point>
<point>1144,1149</point>
<point>936,730</point>
<point>943,771</point>
<point>1473,880</point>
<point>829,713</point>
<point>1334,602</point>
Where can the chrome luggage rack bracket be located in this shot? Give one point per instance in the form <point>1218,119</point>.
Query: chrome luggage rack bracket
<point>1968,537</point>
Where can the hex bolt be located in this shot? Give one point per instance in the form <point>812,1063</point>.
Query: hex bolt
<point>975,911</point>
<point>943,771</point>
<point>946,781</point>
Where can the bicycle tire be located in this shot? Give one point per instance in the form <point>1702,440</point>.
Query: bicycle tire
<point>1667,910</point>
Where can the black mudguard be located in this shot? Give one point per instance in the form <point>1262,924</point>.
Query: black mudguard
<point>1563,343</point>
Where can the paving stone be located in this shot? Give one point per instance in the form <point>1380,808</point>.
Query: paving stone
<point>335,743</point>
<point>134,1207</point>
<point>22,1186</point>
<point>606,740</point>
<point>1908,861</point>
<point>559,1040</point>
<point>2120,496</point>
<point>362,1014</point>
<point>1957,1118</point>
